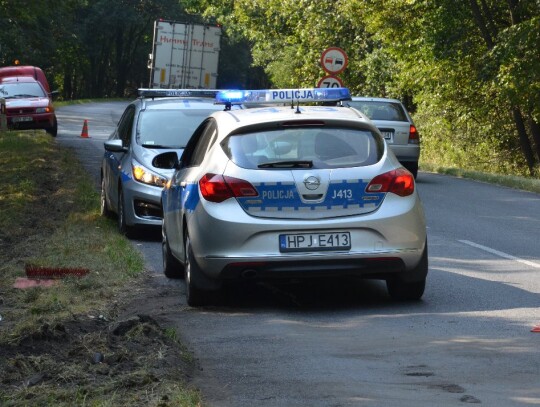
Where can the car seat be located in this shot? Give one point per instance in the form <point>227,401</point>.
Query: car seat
<point>328,147</point>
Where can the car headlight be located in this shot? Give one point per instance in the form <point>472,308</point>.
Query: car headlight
<point>146,176</point>
<point>43,110</point>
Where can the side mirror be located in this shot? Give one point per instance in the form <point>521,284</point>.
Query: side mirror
<point>166,161</point>
<point>115,146</point>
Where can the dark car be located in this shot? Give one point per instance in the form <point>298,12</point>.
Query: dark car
<point>28,105</point>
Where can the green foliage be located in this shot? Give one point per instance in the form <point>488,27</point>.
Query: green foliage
<point>468,70</point>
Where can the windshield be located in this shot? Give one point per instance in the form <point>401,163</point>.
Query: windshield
<point>21,90</point>
<point>310,147</point>
<point>390,111</point>
<point>169,128</point>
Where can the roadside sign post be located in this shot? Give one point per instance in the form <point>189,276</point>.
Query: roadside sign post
<point>3,117</point>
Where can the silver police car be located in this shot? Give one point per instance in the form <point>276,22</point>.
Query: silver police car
<point>290,192</point>
<point>133,173</point>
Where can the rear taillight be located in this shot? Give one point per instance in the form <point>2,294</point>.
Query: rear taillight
<point>414,137</point>
<point>399,182</point>
<point>218,188</point>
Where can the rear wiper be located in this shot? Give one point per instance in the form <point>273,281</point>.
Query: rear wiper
<point>287,164</point>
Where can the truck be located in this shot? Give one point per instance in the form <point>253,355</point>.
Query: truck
<point>184,55</point>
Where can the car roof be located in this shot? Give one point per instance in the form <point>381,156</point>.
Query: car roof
<point>373,99</point>
<point>229,121</point>
<point>15,79</point>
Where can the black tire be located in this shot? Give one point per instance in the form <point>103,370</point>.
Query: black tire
<point>104,211</point>
<point>172,268</point>
<point>53,131</point>
<point>123,228</point>
<point>412,167</point>
<point>403,290</point>
<point>195,295</point>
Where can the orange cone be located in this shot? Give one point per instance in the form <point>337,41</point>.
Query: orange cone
<point>84,132</point>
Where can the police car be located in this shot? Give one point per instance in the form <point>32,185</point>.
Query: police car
<point>135,166</point>
<point>289,192</point>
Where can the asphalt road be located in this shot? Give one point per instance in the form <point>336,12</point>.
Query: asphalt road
<point>469,340</point>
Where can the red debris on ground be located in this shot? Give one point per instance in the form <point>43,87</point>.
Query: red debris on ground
<point>40,272</point>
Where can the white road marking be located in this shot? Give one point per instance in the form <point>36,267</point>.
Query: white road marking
<point>500,254</point>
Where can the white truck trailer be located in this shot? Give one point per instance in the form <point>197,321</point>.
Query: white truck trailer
<point>184,55</point>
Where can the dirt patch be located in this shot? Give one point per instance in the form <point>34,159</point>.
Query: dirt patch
<point>131,358</point>
<point>82,341</point>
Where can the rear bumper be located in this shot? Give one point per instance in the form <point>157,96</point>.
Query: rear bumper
<point>287,269</point>
<point>406,153</point>
<point>232,244</point>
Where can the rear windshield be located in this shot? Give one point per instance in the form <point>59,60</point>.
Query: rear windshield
<point>169,128</point>
<point>390,111</point>
<point>310,147</point>
<point>21,90</point>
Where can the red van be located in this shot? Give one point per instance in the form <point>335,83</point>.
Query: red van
<point>28,104</point>
<point>33,71</point>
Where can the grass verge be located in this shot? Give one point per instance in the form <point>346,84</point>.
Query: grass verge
<point>511,181</point>
<point>64,345</point>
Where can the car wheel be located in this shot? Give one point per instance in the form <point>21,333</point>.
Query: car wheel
<point>104,207</point>
<point>172,268</point>
<point>123,228</point>
<point>195,296</point>
<point>53,131</point>
<point>403,290</point>
<point>412,167</point>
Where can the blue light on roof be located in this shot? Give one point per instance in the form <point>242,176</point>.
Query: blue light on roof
<point>283,95</point>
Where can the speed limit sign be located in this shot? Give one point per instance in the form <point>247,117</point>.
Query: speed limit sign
<point>330,81</point>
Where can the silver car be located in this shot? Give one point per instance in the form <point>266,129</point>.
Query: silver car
<point>396,126</point>
<point>158,123</point>
<point>290,192</point>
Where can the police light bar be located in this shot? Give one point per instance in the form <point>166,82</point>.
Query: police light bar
<point>161,93</point>
<point>283,95</point>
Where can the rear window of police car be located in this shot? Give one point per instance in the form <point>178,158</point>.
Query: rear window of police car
<point>323,147</point>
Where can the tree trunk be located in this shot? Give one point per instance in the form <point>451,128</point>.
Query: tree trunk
<point>524,140</point>
<point>535,131</point>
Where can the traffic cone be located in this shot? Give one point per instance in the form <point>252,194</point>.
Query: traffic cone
<point>84,132</point>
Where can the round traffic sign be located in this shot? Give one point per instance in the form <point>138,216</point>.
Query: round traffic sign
<point>334,60</point>
<point>330,81</point>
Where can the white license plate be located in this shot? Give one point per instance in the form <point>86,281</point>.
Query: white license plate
<point>22,119</point>
<point>307,242</point>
